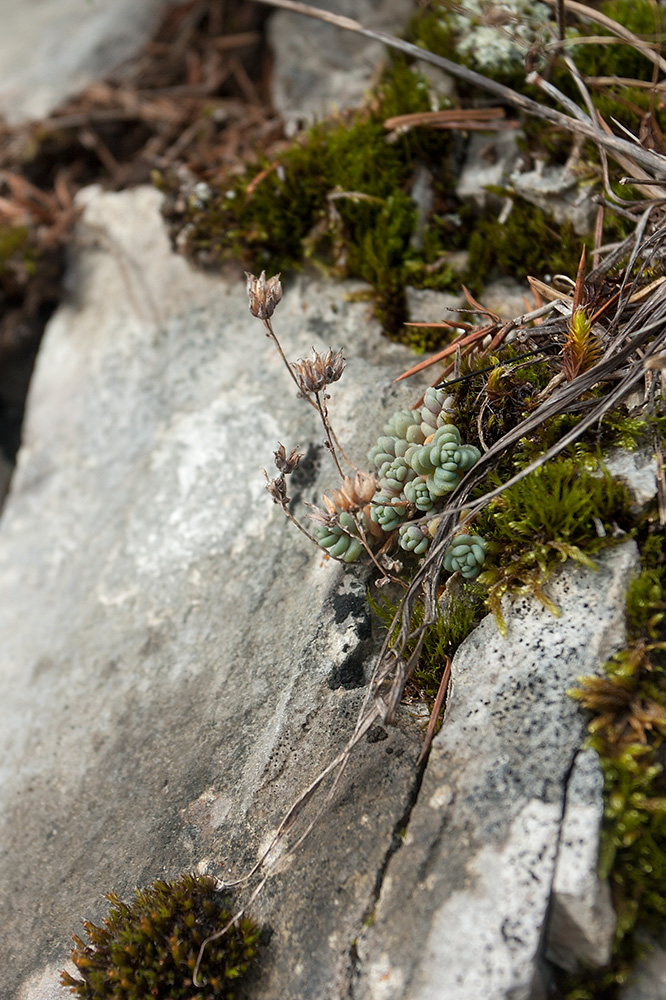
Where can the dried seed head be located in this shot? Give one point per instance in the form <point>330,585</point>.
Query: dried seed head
<point>315,373</point>
<point>286,463</point>
<point>264,295</point>
<point>326,517</point>
<point>353,495</point>
<point>365,486</point>
<point>277,488</point>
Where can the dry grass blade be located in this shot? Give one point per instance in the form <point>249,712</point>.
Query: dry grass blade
<point>436,709</point>
<point>590,14</point>
<point>470,119</point>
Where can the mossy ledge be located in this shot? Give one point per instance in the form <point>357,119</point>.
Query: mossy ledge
<point>340,196</point>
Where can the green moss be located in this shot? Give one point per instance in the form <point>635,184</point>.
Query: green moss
<point>338,196</point>
<point>149,948</point>
<point>528,242</point>
<point>558,512</point>
<point>463,611</point>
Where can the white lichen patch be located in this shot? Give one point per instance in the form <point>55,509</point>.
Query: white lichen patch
<point>497,37</point>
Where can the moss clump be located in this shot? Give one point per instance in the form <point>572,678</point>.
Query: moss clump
<point>149,948</point>
<point>558,512</point>
<point>338,196</point>
<point>527,242</point>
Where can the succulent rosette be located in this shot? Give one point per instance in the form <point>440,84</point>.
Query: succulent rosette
<point>340,539</point>
<point>388,512</point>
<point>417,492</point>
<point>395,477</point>
<point>413,538</point>
<point>436,410</point>
<point>406,425</point>
<point>466,555</point>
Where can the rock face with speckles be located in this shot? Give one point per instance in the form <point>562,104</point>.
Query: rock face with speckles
<point>178,663</point>
<point>473,882</point>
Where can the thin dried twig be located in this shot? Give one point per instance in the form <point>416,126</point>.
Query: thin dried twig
<point>436,709</point>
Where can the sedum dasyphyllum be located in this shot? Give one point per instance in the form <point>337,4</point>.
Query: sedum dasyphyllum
<point>419,458</point>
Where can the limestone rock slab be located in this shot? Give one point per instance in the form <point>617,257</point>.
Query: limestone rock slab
<point>472,882</point>
<point>320,67</point>
<point>50,49</point>
<point>176,661</point>
<point>582,920</point>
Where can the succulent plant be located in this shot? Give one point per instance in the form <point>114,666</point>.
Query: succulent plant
<point>395,477</point>
<point>443,479</point>
<point>386,449</point>
<point>420,458</point>
<point>387,511</point>
<point>406,424</point>
<point>436,410</point>
<point>417,492</point>
<point>340,538</point>
<point>149,947</point>
<point>413,538</point>
<point>466,554</point>
<point>467,456</point>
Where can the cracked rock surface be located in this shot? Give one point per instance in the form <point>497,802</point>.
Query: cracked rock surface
<point>463,908</point>
<point>582,920</point>
<point>177,662</point>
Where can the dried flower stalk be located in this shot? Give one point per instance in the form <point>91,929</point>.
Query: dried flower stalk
<point>310,376</point>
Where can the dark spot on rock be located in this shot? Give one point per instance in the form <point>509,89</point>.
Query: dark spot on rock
<point>376,734</point>
<point>305,474</point>
<point>349,673</point>
<point>354,605</point>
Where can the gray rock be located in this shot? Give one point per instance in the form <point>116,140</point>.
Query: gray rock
<point>51,49</point>
<point>555,190</point>
<point>177,661</point>
<point>638,470</point>
<point>429,306</point>
<point>472,882</point>
<point>507,297</point>
<point>320,67</point>
<point>582,919</point>
<point>489,162</point>
<point>422,195</point>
